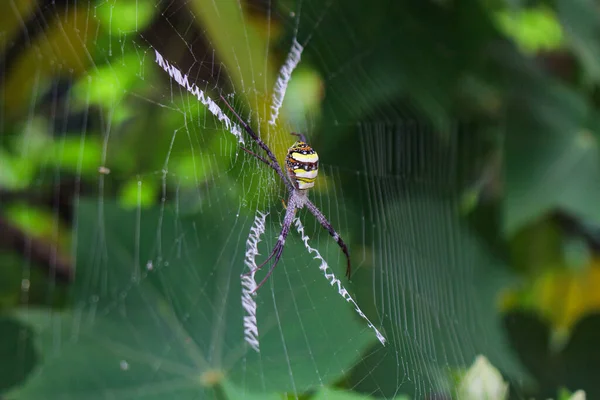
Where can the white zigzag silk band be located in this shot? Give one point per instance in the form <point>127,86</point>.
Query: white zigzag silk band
<point>285,74</point>
<point>183,81</point>
<point>333,281</point>
<point>249,283</point>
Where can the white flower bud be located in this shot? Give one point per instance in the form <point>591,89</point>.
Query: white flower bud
<point>482,382</point>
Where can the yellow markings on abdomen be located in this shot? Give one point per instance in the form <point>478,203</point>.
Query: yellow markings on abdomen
<point>305,185</point>
<point>311,158</point>
<point>302,164</point>
<point>302,173</point>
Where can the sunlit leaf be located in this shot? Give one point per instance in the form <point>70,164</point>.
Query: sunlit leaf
<point>139,193</point>
<point>109,84</point>
<point>75,155</point>
<point>533,30</point>
<point>119,17</point>
<point>16,173</point>
<point>303,96</point>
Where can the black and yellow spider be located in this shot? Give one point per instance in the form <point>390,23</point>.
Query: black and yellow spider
<point>302,165</point>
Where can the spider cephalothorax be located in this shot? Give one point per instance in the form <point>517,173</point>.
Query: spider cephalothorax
<point>302,165</point>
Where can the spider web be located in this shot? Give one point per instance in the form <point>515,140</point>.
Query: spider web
<point>120,99</point>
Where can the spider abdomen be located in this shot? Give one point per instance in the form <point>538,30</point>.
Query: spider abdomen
<point>302,164</point>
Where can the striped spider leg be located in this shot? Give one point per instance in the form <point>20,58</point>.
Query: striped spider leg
<point>302,165</point>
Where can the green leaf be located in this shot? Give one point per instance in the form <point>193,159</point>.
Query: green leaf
<point>551,156</point>
<point>574,365</point>
<point>233,392</point>
<point>16,172</point>
<point>122,16</point>
<point>432,281</point>
<point>580,361</point>
<point>139,193</point>
<point>109,84</point>
<point>158,312</point>
<point>328,393</point>
<point>578,255</point>
<point>533,30</point>
<point>77,155</point>
<point>303,96</point>
<point>16,346</point>
<point>581,21</point>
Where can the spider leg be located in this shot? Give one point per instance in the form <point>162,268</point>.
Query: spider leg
<point>325,224</point>
<point>274,164</point>
<point>257,156</point>
<point>244,124</point>
<point>273,252</point>
<point>278,249</point>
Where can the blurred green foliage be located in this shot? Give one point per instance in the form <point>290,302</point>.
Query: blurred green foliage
<point>533,29</point>
<point>460,147</point>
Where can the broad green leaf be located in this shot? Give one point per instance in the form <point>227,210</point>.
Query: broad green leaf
<point>328,393</point>
<point>433,268</point>
<point>552,156</point>
<point>581,21</point>
<point>573,365</point>
<point>233,392</point>
<point>16,346</point>
<point>158,312</point>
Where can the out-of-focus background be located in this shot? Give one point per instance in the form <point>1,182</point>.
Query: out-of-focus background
<point>459,160</point>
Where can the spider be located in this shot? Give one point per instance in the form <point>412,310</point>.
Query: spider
<point>302,165</point>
